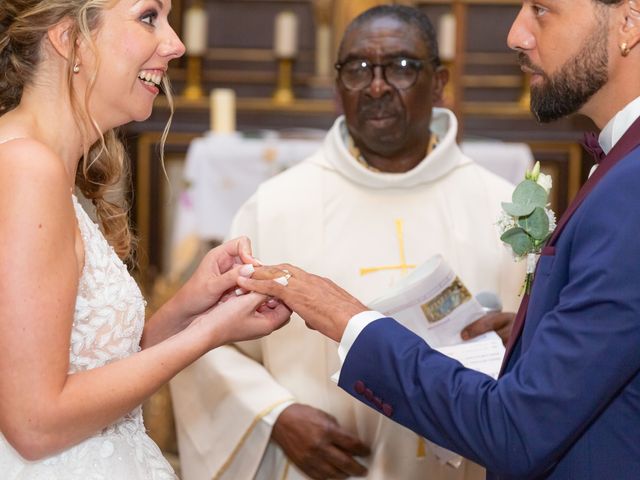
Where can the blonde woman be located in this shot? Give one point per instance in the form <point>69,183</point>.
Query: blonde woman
<point>77,357</point>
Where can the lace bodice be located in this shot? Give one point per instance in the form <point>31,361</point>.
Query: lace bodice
<point>109,314</point>
<point>107,326</point>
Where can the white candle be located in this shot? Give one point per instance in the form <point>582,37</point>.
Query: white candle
<point>195,31</point>
<point>222,103</point>
<point>285,40</point>
<point>447,37</point>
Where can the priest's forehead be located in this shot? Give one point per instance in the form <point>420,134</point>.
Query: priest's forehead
<point>388,31</point>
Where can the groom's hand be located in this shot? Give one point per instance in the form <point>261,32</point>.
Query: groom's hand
<point>313,440</point>
<point>321,303</point>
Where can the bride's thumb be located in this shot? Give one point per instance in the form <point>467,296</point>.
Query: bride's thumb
<point>229,279</point>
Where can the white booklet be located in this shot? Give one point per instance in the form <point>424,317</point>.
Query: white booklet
<point>434,303</point>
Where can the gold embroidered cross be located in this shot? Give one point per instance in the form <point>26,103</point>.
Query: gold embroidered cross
<point>403,266</point>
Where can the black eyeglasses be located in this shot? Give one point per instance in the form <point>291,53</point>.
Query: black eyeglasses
<point>401,73</point>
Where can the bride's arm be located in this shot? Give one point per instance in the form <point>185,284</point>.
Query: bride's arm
<point>43,409</point>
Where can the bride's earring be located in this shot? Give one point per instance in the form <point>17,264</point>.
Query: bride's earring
<point>76,68</point>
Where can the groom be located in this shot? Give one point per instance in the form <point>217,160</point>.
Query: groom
<point>567,405</point>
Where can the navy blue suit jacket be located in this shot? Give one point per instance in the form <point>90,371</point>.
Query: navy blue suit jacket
<point>568,403</point>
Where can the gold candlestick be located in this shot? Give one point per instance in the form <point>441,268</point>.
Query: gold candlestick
<point>284,90</point>
<point>449,93</point>
<point>195,38</point>
<point>193,90</point>
<point>525,95</point>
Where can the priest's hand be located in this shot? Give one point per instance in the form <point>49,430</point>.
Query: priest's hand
<point>322,304</point>
<point>500,322</point>
<point>313,440</point>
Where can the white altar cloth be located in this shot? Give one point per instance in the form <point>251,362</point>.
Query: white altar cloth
<point>223,170</point>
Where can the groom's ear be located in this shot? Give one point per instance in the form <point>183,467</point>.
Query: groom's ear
<point>629,30</point>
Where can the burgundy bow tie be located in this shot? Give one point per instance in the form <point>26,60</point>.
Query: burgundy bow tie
<point>591,145</point>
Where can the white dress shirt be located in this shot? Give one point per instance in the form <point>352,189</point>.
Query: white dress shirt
<point>618,125</point>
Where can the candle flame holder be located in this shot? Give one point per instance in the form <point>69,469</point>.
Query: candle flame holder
<point>449,93</point>
<point>193,89</point>
<point>525,96</point>
<point>283,94</point>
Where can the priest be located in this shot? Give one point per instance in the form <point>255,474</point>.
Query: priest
<point>388,189</point>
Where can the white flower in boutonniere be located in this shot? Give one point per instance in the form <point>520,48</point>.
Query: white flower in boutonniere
<point>527,221</point>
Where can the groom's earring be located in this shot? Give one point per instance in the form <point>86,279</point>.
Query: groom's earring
<point>76,68</point>
<point>624,49</point>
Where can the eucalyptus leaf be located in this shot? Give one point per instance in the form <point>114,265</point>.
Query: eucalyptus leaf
<point>518,239</point>
<point>518,209</point>
<point>529,192</point>
<point>536,224</point>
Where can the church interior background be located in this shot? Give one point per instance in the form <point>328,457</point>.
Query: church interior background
<point>277,57</point>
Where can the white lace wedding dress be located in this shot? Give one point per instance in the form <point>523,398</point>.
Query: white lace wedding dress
<point>107,326</point>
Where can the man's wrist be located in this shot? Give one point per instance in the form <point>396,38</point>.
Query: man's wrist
<point>356,324</point>
<point>272,417</point>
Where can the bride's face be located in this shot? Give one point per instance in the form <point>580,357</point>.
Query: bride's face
<point>134,43</point>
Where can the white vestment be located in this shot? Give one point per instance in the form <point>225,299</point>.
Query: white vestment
<point>333,216</point>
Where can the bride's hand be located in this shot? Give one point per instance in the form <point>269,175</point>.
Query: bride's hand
<point>241,317</point>
<point>217,274</point>
<point>215,277</point>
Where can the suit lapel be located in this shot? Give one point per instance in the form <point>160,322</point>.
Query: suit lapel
<point>629,141</point>
<point>624,146</point>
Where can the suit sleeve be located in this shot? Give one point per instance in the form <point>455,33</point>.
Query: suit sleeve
<point>582,354</point>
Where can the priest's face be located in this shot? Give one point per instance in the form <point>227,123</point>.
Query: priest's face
<point>563,80</point>
<point>390,115</point>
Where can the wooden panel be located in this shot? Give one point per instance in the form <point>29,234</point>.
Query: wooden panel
<point>240,40</point>
<point>563,161</point>
<point>151,198</point>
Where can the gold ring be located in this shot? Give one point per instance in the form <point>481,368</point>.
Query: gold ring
<point>284,279</point>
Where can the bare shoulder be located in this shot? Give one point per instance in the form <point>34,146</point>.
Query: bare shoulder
<point>30,170</point>
<point>35,196</point>
<point>27,154</point>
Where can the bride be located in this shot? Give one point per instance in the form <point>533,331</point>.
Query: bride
<point>77,356</point>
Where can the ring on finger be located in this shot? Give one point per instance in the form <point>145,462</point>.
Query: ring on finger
<point>284,280</point>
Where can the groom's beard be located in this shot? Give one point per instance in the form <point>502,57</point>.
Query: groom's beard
<point>567,90</point>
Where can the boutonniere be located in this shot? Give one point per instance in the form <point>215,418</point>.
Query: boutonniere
<point>527,221</point>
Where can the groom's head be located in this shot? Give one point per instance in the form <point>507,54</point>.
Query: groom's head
<point>573,49</point>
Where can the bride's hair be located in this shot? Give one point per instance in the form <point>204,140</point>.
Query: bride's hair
<point>23,25</point>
